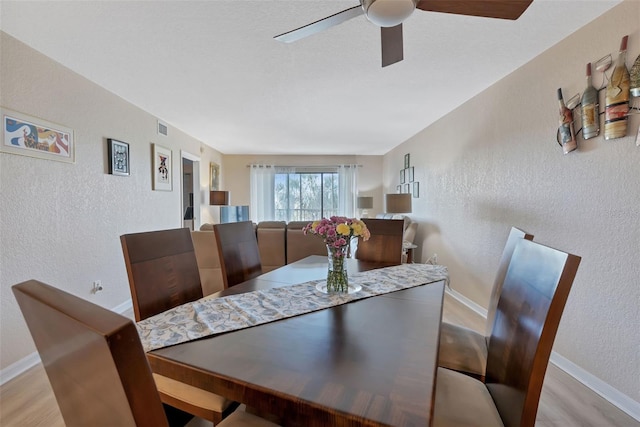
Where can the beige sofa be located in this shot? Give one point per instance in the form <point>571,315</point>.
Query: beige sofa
<point>279,243</point>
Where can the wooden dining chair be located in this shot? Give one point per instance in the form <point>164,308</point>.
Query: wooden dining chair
<point>463,349</point>
<point>95,362</point>
<point>163,274</point>
<point>534,293</point>
<point>238,250</point>
<point>385,243</point>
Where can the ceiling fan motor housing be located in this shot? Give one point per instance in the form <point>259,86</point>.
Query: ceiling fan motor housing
<point>388,13</point>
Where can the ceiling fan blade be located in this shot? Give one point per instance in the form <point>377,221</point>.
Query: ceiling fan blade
<point>504,9</point>
<point>392,50</point>
<point>321,25</point>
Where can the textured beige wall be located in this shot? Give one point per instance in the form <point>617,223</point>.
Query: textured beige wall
<point>494,163</point>
<point>59,222</point>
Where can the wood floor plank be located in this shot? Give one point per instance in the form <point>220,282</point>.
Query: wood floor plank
<point>28,400</point>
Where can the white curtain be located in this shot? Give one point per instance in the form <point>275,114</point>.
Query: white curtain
<point>262,193</point>
<point>348,191</point>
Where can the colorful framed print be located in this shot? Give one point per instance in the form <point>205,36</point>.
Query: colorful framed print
<point>214,176</point>
<point>118,152</point>
<point>162,168</point>
<point>29,136</point>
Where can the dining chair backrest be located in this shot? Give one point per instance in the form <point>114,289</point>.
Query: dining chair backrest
<point>239,253</point>
<point>385,243</point>
<point>535,290</point>
<point>93,357</point>
<point>162,269</point>
<point>515,235</point>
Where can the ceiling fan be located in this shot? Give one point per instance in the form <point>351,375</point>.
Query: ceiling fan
<point>389,15</point>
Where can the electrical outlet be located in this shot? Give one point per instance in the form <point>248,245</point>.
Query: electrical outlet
<point>97,286</point>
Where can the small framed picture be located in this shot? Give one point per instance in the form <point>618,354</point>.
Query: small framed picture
<point>406,161</point>
<point>410,174</point>
<point>407,188</point>
<point>416,190</point>
<point>214,176</point>
<point>398,189</point>
<point>403,176</point>
<point>118,152</point>
<point>162,168</point>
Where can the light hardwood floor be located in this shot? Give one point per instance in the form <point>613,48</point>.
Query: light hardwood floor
<point>28,401</point>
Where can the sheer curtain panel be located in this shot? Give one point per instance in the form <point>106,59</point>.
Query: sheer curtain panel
<point>348,190</point>
<point>262,193</point>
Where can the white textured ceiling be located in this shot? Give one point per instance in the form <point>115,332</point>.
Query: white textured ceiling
<point>212,69</point>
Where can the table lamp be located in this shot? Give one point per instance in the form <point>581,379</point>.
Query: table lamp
<point>398,203</point>
<point>364,203</point>
<point>218,198</point>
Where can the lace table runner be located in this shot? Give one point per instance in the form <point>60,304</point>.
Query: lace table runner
<point>210,316</point>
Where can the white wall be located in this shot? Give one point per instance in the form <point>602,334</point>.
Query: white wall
<point>494,163</point>
<point>60,223</point>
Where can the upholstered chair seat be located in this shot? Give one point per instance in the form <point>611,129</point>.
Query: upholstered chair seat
<point>462,401</point>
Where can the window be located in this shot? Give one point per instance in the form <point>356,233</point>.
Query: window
<point>302,193</point>
<point>305,196</point>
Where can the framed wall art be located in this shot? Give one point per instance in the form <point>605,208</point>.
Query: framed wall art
<point>29,136</point>
<point>214,176</point>
<point>118,153</point>
<point>416,190</point>
<point>162,168</point>
<point>406,161</point>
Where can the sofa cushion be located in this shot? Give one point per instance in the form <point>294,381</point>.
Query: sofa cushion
<point>300,245</point>
<point>271,244</point>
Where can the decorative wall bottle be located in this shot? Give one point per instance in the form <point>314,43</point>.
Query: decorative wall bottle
<point>590,119</point>
<point>635,78</point>
<point>617,97</point>
<point>567,132</point>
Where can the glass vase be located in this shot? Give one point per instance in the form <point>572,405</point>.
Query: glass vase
<point>337,279</point>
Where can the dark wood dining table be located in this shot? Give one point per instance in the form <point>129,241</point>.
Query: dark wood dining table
<point>371,362</point>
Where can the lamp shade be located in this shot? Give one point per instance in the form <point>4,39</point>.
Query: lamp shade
<point>398,203</point>
<point>365,202</point>
<point>219,198</point>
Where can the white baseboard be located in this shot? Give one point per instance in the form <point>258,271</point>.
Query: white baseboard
<point>17,368</point>
<point>466,301</point>
<point>27,362</point>
<point>604,390</point>
<point>612,395</point>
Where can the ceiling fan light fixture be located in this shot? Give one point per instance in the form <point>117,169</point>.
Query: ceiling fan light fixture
<point>388,13</point>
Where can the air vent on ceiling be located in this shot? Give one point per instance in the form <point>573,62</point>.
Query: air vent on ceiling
<point>162,128</point>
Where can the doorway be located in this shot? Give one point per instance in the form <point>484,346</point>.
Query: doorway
<point>190,190</point>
